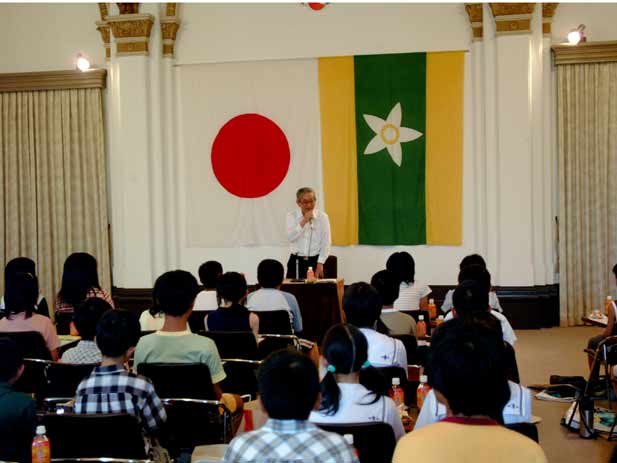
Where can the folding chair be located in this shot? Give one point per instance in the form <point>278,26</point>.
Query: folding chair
<point>275,322</point>
<point>234,344</point>
<point>186,380</point>
<point>375,442</point>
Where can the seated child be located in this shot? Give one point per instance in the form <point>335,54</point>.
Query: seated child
<point>208,274</point>
<point>288,390</point>
<point>111,388</point>
<point>343,398</point>
<point>232,315</point>
<point>85,319</point>
<point>396,322</point>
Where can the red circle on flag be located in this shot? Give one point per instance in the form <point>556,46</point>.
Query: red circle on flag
<point>250,156</point>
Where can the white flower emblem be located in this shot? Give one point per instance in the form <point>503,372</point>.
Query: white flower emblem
<point>389,134</point>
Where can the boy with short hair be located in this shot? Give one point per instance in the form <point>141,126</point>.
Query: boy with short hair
<point>288,385</point>
<point>111,388</point>
<point>269,297</point>
<point>85,319</point>
<point>17,410</point>
<point>208,274</point>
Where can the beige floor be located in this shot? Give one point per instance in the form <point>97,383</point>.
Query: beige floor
<point>541,353</point>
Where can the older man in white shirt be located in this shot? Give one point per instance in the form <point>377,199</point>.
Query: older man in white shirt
<point>308,232</point>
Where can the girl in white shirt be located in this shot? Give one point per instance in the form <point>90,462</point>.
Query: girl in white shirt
<point>412,294</point>
<point>343,398</point>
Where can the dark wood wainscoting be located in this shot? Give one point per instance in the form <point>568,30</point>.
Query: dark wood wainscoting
<point>527,307</point>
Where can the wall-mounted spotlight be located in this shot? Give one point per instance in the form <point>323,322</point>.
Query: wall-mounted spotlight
<point>577,35</point>
<point>82,63</point>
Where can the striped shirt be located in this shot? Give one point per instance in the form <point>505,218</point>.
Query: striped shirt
<point>410,294</point>
<point>67,307</point>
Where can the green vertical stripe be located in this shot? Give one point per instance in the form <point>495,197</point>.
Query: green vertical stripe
<point>391,199</point>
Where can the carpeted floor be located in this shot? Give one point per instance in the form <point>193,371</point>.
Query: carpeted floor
<point>541,353</point>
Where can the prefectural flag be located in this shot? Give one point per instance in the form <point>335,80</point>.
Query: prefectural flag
<point>392,147</point>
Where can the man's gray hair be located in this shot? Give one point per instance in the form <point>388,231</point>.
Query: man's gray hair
<point>303,191</point>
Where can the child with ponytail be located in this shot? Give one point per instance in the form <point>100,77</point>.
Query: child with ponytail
<point>343,398</point>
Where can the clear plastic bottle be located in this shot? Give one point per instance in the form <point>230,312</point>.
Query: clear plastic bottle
<point>608,304</point>
<point>349,439</point>
<point>422,391</point>
<point>439,321</point>
<point>421,327</point>
<point>41,450</point>
<point>310,274</point>
<point>432,309</point>
<point>396,393</point>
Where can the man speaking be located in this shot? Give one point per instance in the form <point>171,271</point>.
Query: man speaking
<point>308,232</point>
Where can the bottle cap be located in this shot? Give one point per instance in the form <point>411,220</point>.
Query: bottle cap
<point>431,301</point>
<point>421,317</point>
<point>311,269</point>
<point>609,298</point>
<point>348,438</point>
<point>423,379</point>
<point>40,429</point>
<point>440,317</point>
<point>396,381</point>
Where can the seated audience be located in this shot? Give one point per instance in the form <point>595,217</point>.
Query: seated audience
<point>232,315</point>
<point>85,319</point>
<point>413,295</point>
<point>472,259</point>
<point>20,300</point>
<point>362,306</point>
<point>17,410</point>
<point>464,369</point>
<point>288,390</point>
<point>111,388</point>
<point>80,281</point>
<point>611,326</point>
<point>397,323</point>
<point>174,292</point>
<point>343,398</point>
<point>208,273</point>
<point>270,275</point>
<point>24,265</point>
<point>481,275</point>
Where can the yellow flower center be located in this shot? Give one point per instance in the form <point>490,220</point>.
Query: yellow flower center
<point>389,134</point>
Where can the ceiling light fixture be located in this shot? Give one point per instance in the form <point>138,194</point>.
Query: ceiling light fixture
<point>82,63</point>
<point>577,35</point>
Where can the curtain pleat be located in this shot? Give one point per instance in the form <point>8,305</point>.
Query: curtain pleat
<point>53,181</point>
<point>587,134</point>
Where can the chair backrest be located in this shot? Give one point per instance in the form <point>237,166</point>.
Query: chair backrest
<point>31,343</point>
<point>375,442</point>
<point>174,380</point>
<point>234,344</point>
<point>241,377</point>
<point>416,316</point>
<point>330,267</point>
<point>411,347</point>
<point>84,436</point>
<point>63,322</point>
<point>526,429</point>
<point>275,322</point>
<point>196,320</point>
<point>63,378</point>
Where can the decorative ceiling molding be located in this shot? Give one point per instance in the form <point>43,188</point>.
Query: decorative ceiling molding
<point>512,18</point>
<point>548,11</point>
<point>132,33</point>
<point>105,31</point>
<point>171,9</point>
<point>474,11</point>
<point>103,10</point>
<point>585,53</point>
<point>52,80</point>
<point>128,8</point>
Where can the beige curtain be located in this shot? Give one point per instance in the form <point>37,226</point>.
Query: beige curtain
<point>53,181</point>
<point>587,143</point>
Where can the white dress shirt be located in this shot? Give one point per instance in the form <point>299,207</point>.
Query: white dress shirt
<point>206,301</point>
<point>506,328</point>
<point>312,239</point>
<point>355,407</point>
<point>517,410</point>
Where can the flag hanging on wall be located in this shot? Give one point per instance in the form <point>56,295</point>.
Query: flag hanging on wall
<point>392,147</point>
<point>379,135</point>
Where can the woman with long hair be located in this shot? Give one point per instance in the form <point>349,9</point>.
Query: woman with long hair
<point>80,281</point>
<point>413,295</point>
<point>23,265</point>
<point>343,398</point>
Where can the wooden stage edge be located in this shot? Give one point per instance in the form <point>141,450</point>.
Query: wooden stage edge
<point>527,307</point>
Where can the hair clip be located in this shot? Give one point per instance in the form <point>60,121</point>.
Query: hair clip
<point>331,368</point>
<point>366,364</point>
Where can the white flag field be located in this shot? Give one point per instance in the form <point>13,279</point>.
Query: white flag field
<point>251,137</point>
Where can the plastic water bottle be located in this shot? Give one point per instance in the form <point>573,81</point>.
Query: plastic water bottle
<point>422,391</point>
<point>608,304</point>
<point>439,321</point>
<point>41,450</point>
<point>396,393</point>
<point>310,275</point>
<point>432,309</point>
<point>421,327</point>
<point>349,439</point>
